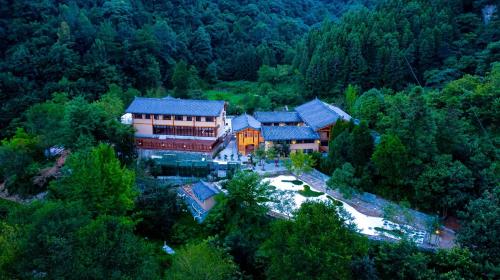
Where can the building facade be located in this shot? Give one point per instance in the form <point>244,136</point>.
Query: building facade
<point>321,117</point>
<point>247,133</point>
<point>296,138</point>
<point>200,198</point>
<point>178,124</point>
<point>305,129</point>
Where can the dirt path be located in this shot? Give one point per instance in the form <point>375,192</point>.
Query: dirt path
<point>40,180</point>
<point>4,194</point>
<point>51,172</point>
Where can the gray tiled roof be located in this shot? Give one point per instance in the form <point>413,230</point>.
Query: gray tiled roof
<point>318,114</point>
<point>276,133</point>
<point>204,190</point>
<point>174,106</point>
<point>277,116</point>
<point>244,121</point>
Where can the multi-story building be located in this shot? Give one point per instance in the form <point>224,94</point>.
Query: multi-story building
<point>247,132</point>
<point>306,129</point>
<point>321,117</point>
<point>284,118</point>
<point>178,124</point>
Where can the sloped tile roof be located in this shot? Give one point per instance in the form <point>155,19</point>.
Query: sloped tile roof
<point>174,106</point>
<point>204,190</point>
<point>244,121</point>
<point>277,133</point>
<point>318,114</point>
<point>277,116</point>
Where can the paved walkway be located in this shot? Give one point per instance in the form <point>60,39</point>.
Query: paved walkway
<point>270,167</point>
<point>372,205</point>
<point>230,153</point>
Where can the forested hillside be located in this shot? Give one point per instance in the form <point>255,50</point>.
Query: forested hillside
<point>420,77</point>
<point>425,43</point>
<point>82,46</point>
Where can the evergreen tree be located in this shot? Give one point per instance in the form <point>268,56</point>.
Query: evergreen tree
<point>351,94</point>
<point>97,179</point>
<point>202,261</point>
<point>319,245</point>
<point>480,230</point>
<point>390,158</point>
<point>181,79</point>
<point>201,49</point>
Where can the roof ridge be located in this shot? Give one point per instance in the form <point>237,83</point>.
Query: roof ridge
<point>176,99</point>
<point>327,106</point>
<point>274,111</point>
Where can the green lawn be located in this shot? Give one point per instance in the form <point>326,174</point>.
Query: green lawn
<point>295,182</point>
<point>393,232</point>
<point>229,96</point>
<point>307,192</point>
<point>231,91</point>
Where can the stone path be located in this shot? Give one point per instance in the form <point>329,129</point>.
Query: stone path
<point>318,181</point>
<point>372,205</point>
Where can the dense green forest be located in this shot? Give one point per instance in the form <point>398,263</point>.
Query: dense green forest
<point>81,47</point>
<point>423,76</point>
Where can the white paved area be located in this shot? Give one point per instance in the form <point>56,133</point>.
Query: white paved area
<point>230,150</point>
<point>225,156</point>
<point>365,224</point>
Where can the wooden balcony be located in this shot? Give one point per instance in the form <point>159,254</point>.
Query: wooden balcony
<point>190,145</point>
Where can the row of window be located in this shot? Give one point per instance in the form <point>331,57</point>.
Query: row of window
<point>173,146</point>
<point>250,134</point>
<point>280,123</point>
<point>307,151</point>
<point>184,130</point>
<point>169,117</point>
<point>304,141</point>
<point>294,142</point>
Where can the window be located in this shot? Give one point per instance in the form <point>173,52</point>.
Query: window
<point>159,129</point>
<point>324,143</point>
<point>167,117</point>
<point>179,118</point>
<point>137,116</point>
<point>307,151</point>
<point>209,119</point>
<point>156,117</point>
<point>198,119</point>
<point>184,130</point>
<point>188,118</point>
<point>305,141</point>
<point>205,131</point>
<point>148,116</point>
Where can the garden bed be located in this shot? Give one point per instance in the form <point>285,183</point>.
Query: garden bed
<point>307,192</point>
<point>295,182</point>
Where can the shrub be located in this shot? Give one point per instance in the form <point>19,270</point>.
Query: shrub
<point>307,192</point>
